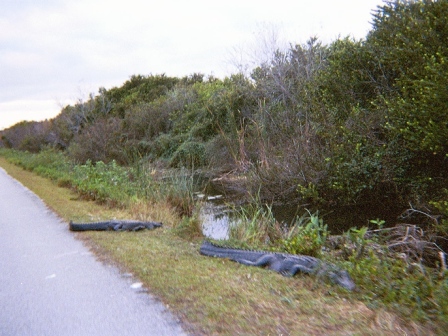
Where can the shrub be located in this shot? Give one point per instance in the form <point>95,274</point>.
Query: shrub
<point>307,236</point>
<point>100,141</point>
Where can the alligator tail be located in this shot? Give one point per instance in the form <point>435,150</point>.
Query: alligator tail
<point>212,250</point>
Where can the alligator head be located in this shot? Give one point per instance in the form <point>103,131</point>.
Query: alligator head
<point>342,278</point>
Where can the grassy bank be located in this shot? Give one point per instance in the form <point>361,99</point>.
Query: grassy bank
<point>214,296</point>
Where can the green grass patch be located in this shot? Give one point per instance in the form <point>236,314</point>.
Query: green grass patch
<point>110,184</point>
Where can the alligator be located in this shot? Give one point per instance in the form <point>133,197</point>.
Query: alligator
<point>115,225</point>
<point>283,263</point>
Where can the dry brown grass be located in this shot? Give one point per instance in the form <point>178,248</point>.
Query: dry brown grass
<point>216,296</point>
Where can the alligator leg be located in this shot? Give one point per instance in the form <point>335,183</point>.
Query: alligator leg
<point>266,260</point>
<point>138,228</point>
<point>293,269</point>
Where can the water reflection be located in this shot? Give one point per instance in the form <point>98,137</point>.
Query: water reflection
<point>215,221</point>
<point>214,215</point>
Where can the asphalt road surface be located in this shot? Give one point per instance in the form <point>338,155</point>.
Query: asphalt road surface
<point>50,284</point>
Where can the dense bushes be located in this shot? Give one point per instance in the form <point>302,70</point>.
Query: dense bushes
<point>388,120</point>
<point>352,124</point>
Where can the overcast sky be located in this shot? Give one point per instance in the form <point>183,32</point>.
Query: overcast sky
<point>53,52</point>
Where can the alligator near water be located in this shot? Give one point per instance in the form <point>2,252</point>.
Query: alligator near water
<point>283,263</point>
<point>115,225</point>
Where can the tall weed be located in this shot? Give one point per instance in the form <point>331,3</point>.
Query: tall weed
<point>177,188</point>
<point>254,225</point>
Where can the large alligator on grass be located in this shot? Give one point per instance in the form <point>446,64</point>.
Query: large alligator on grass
<point>115,225</point>
<point>283,263</point>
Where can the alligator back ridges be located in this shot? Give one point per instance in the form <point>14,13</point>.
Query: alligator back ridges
<point>212,249</point>
<point>283,263</point>
<point>115,225</point>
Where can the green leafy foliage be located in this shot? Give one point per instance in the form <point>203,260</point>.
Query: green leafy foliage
<point>442,207</point>
<point>409,39</point>
<point>48,162</point>
<point>110,183</point>
<point>410,289</point>
<point>103,182</point>
<point>307,236</point>
<point>139,89</point>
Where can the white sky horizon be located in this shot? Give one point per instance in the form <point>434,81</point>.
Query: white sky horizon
<point>54,52</point>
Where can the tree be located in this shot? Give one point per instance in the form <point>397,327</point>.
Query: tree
<point>410,41</point>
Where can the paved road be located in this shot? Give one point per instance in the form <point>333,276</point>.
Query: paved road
<point>50,284</point>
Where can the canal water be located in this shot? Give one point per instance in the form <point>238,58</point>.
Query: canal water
<point>216,214</point>
<point>216,217</point>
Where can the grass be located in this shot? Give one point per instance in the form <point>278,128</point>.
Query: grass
<point>215,296</point>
